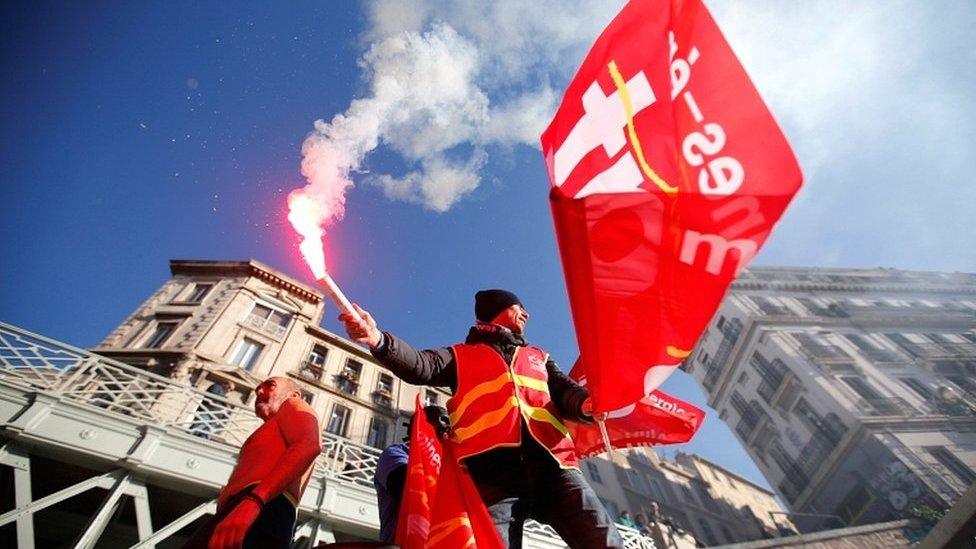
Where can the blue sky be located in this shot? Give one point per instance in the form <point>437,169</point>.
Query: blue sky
<point>135,133</point>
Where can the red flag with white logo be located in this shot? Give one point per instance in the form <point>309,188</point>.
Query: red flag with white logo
<point>654,420</point>
<point>668,173</point>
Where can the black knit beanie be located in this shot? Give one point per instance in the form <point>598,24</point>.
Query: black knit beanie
<point>488,303</point>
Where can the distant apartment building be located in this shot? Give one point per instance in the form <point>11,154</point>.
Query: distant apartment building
<point>241,322</point>
<point>713,504</point>
<point>853,390</point>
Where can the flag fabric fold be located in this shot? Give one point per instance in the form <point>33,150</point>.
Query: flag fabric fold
<point>668,174</point>
<point>654,420</point>
<point>441,507</point>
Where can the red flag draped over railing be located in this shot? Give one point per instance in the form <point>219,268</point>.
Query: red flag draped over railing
<point>441,507</point>
<point>668,173</point>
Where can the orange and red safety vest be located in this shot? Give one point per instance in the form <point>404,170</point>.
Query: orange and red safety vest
<point>493,398</point>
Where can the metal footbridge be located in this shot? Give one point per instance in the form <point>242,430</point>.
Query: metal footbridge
<point>98,453</point>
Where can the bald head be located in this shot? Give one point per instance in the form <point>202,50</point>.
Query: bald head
<point>289,384</point>
<point>272,393</point>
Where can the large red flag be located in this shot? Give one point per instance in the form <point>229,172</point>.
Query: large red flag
<point>668,173</point>
<point>460,519</point>
<point>656,419</point>
<point>441,507</point>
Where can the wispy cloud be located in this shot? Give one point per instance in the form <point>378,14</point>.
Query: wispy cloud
<point>873,96</point>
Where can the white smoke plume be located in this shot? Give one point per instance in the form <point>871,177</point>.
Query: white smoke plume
<point>423,102</point>
<point>430,69</point>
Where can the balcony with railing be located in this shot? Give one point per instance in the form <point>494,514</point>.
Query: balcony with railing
<point>881,356</point>
<point>953,408</point>
<point>824,353</point>
<point>830,311</point>
<point>382,398</point>
<point>311,371</point>
<point>886,311</point>
<point>889,406</point>
<point>768,307</point>
<point>88,408</point>
<point>267,325</point>
<point>347,382</point>
<point>942,350</point>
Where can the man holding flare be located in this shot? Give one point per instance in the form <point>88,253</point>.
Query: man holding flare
<point>507,410</point>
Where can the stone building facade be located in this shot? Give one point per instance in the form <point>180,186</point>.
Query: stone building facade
<point>853,390</point>
<point>241,322</point>
<point>710,503</point>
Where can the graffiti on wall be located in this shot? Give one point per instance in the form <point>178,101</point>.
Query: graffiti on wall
<point>896,484</point>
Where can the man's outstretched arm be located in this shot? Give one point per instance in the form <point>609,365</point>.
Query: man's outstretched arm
<point>435,367</point>
<point>300,429</point>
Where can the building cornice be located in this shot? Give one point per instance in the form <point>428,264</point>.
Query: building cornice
<point>678,469</point>
<point>917,282</point>
<point>250,267</point>
<point>925,423</point>
<point>798,286</point>
<point>864,321</point>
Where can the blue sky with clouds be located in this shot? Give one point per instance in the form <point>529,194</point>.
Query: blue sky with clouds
<point>136,133</point>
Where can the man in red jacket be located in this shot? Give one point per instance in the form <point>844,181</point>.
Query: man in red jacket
<point>507,410</point>
<point>257,507</point>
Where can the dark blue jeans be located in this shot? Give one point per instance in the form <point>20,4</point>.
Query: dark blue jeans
<point>522,483</point>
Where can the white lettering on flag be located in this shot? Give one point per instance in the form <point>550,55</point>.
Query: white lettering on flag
<point>718,250</point>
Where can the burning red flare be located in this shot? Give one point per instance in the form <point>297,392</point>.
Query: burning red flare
<point>305,217</point>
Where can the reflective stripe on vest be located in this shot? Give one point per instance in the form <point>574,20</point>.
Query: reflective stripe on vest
<point>494,398</point>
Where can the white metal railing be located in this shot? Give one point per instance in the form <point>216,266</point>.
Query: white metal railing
<point>37,363</point>
<point>942,350</point>
<point>632,537</point>
<point>265,324</point>
<point>310,371</point>
<point>41,364</point>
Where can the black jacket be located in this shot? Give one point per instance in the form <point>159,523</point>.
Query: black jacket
<point>438,367</point>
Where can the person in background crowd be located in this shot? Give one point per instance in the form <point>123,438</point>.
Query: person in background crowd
<point>662,528</point>
<point>642,524</point>
<point>625,520</point>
